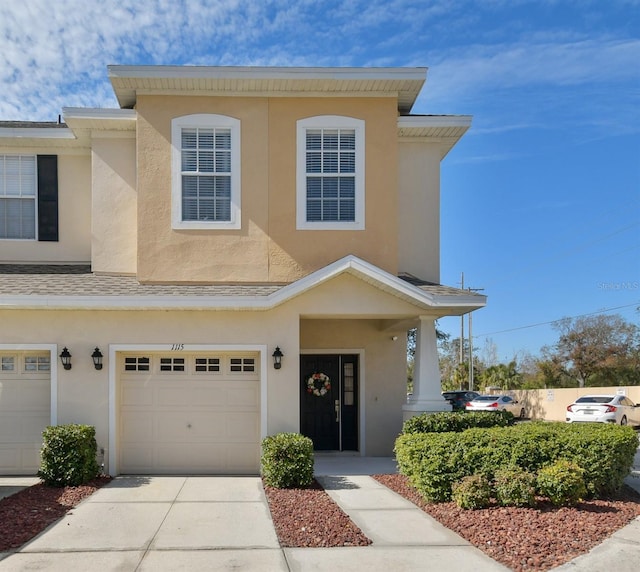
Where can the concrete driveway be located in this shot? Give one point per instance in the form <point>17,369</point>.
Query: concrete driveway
<point>223,523</point>
<point>156,524</point>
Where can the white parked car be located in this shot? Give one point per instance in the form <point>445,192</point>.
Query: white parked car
<point>604,409</point>
<point>496,403</point>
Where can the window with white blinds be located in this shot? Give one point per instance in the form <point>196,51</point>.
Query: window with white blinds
<point>18,183</point>
<point>331,175</point>
<point>330,178</point>
<point>206,177</point>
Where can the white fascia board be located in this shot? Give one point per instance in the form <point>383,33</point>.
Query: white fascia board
<point>349,264</point>
<point>36,133</point>
<point>102,113</point>
<point>251,72</point>
<point>423,121</point>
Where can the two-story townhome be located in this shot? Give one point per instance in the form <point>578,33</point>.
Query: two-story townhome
<point>234,252</point>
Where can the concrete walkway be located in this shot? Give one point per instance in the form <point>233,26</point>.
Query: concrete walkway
<point>223,523</point>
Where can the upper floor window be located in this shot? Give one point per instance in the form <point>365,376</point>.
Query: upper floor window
<point>206,172</point>
<point>330,173</point>
<point>18,191</point>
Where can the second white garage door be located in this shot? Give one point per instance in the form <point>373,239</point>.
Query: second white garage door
<point>189,413</point>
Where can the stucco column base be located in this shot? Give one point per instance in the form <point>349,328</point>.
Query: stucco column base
<point>414,408</point>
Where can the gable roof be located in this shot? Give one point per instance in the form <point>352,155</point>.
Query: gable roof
<point>75,287</point>
<point>403,83</point>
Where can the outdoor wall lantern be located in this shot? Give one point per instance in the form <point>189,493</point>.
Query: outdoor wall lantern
<point>277,358</point>
<point>65,358</point>
<point>96,356</point>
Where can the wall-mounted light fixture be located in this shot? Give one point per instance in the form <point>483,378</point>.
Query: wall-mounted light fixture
<point>277,358</point>
<point>65,358</point>
<point>96,356</point>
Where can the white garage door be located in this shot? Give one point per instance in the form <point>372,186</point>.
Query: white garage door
<point>25,410</point>
<point>189,413</point>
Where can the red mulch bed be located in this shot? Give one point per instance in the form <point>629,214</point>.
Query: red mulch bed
<point>526,539</point>
<point>308,518</point>
<point>28,512</point>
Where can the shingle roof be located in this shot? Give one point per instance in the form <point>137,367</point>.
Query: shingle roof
<point>32,124</point>
<point>76,287</point>
<point>78,280</point>
<point>434,288</point>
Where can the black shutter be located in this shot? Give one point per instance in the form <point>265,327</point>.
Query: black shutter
<point>48,198</point>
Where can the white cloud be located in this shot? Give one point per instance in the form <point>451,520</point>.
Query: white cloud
<point>54,54</point>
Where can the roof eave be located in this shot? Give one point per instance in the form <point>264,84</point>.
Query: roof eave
<point>403,83</point>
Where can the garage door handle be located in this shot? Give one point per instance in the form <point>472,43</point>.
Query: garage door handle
<point>337,402</point>
<point>188,425</point>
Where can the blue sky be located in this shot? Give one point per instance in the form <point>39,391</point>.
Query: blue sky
<point>541,198</point>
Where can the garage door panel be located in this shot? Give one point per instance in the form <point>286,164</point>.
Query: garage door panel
<point>24,395</point>
<point>244,457</point>
<point>195,396</point>
<point>25,412</point>
<point>190,421</point>
<point>9,458</point>
<point>241,427</point>
<point>31,427</point>
<point>185,427</point>
<point>136,395</point>
<point>138,425</point>
<point>139,458</point>
<point>246,397</point>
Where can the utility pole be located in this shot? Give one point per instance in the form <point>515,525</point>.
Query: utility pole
<point>461,360</point>
<point>471,343</point>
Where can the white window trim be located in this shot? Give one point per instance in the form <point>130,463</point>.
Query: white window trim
<point>329,122</point>
<point>205,120</point>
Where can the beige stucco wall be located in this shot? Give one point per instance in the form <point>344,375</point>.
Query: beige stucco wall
<point>168,255</point>
<point>294,253</point>
<point>551,404</point>
<point>74,213</point>
<point>267,247</point>
<point>419,209</point>
<point>114,205</point>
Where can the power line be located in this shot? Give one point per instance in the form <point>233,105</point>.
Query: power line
<point>604,311</point>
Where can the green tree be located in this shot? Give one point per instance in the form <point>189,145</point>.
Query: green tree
<point>594,350</point>
<point>504,376</point>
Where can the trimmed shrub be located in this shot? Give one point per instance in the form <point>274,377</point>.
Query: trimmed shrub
<point>472,492</point>
<point>68,455</point>
<point>456,421</point>
<point>562,483</point>
<point>515,487</point>
<point>287,460</point>
<point>431,462</point>
<point>434,461</point>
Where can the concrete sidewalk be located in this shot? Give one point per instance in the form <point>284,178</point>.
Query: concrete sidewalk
<point>223,523</point>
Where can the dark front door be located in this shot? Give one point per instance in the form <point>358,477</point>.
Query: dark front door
<point>328,401</point>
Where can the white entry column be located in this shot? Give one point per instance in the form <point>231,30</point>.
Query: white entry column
<point>427,393</point>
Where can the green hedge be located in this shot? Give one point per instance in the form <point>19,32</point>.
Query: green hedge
<point>68,455</point>
<point>433,462</point>
<point>287,460</point>
<point>456,421</point>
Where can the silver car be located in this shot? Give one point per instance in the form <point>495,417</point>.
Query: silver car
<point>496,403</point>
<point>604,409</point>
